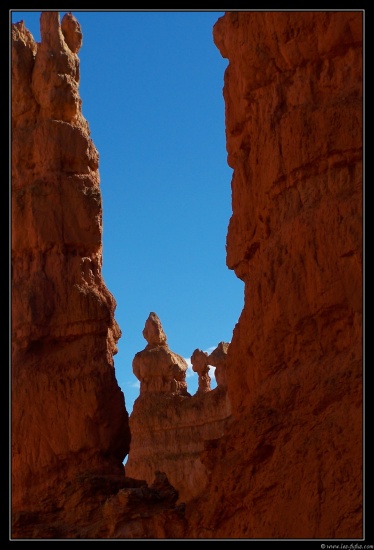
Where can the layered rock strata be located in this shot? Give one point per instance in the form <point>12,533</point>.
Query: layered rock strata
<point>68,412</point>
<point>291,464</point>
<point>70,431</point>
<point>169,427</point>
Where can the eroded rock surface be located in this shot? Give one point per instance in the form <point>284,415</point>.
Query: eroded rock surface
<point>70,431</point>
<point>200,365</point>
<point>157,367</point>
<point>291,464</point>
<point>68,413</point>
<point>169,427</point>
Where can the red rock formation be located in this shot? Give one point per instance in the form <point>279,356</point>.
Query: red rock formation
<point>157,367</point>
<point>199,361</point>
<point>68,413</point>
<point>169,427</point>
<point>291,465</point>
<point>288,464</point>
<point>70,429</point>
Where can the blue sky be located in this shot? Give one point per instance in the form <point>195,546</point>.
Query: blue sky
<point>151,88</point>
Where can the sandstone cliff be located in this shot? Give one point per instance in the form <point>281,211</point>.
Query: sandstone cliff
<point>289,461</point>
<point>291,465</point>
<point>288,464</point>
<point>68,413</point>
<point>70,429</point>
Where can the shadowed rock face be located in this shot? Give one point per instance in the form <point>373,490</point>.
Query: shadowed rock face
<point>68,412</point>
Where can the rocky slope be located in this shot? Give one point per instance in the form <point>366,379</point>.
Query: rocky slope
<point>289,462</point>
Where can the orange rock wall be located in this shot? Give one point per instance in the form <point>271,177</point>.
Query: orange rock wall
<point>291,465</point>
<point>68,412</point>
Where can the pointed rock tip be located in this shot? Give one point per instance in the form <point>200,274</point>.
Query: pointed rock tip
<point>153,332</point>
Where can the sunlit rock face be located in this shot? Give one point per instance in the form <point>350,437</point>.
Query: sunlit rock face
<point>291,464</point>
<point>158,368</point>
<point>68,412</point>
<point>169,427</point>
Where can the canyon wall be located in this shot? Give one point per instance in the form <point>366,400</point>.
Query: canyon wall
<point>67,408</point>
<point>291,464</point>
<point>286,458</point>
<point>70,430</point>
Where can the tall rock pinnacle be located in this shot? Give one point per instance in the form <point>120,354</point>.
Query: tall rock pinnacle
<point>68,412</point>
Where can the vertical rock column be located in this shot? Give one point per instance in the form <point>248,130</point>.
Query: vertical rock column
<point>68,412</point>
